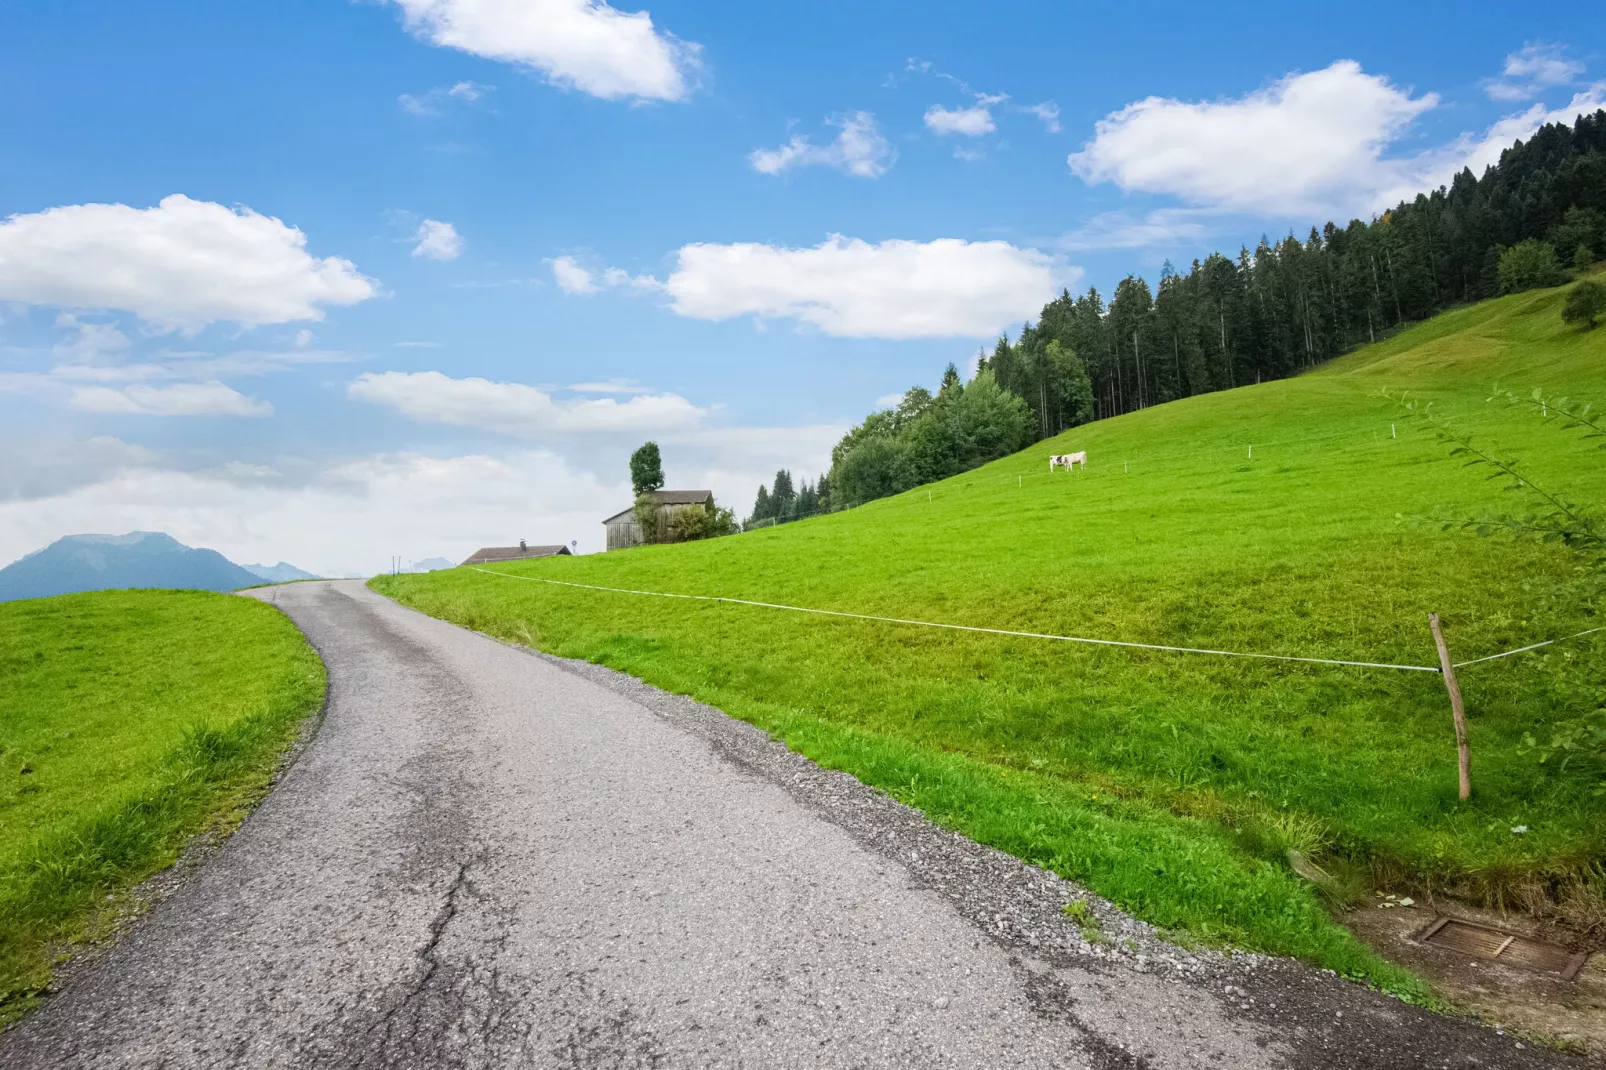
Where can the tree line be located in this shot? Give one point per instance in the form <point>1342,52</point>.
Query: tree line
<point>1232,321</point>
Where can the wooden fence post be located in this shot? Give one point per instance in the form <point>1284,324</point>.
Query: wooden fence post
<point>1457,707</point>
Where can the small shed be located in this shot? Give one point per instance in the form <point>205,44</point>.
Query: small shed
<point>623,531</point>
<point>487,555</point>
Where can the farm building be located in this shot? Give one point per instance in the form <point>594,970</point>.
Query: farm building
<point>623,531</point>
<point>486,555</point>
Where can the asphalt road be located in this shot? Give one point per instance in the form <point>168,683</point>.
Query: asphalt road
<point>491,858</point>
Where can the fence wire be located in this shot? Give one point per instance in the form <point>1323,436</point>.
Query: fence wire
<point>1038,635</point>
<point>963,627</point>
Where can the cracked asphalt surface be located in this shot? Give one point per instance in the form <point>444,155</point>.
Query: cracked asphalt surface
<point>488,857</point>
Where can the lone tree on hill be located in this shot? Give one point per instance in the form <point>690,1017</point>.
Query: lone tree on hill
<point>1585,303</point>
<point>646,469</point>
<point>1529,265</point>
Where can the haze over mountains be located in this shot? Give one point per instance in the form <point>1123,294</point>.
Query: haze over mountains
<point>137,559</point>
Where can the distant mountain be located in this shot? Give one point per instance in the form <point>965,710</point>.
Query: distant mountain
<point>433,564</point>
<point>101,562</point>
<point>283,572</point>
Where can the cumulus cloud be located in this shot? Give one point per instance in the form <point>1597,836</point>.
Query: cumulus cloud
<point>581,44</point>
<point>1532,69</point>
<point>572,278</point>
<point>1307,141</point>
<point>855,289</point>
<point>859,149</point>
<point>1309,144</point>
<point>437,241</point>
<point>968,122</point>
<point>182,399</point>
<point>515,408</point>
<point>178,266</point>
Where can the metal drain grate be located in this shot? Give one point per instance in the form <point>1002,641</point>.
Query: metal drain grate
<point>1470,938</point>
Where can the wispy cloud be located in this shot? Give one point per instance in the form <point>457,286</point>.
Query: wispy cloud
<point>859,149</point>
<point>1121,230</point>
<point>182,399</point>
<point>435,101</point>
<point>1531,70</point>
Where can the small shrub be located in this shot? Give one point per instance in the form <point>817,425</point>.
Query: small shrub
<point>1585,304</point>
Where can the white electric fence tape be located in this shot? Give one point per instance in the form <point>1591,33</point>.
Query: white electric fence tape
<point>969,628</point>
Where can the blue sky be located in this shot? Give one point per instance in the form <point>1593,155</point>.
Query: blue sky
<point>335,281</point>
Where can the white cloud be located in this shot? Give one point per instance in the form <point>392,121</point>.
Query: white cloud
<point>1047,112</point>
<point>612,386</point>
<point>851,288</point>
<point>91,343</point>
<point>182,399</point>
<point>1532,69</point>
<point>1119,230</point>
<point>1309,144</point>
<point>303,338</point>
<point>969,122</point>
<point>437,241</point>
<point>353,515</point>
<point>889,401</point>
<point>518,409</point>
<point>1434,168</point>
<point>433,102</point>
<point>584,44</point>
<point>859,149</point>
<point>178,266</point>
<point>350,518</point>
<point>1307,141</point>
<point>571,277</point>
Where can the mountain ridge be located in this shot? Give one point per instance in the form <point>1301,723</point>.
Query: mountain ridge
<point>92,562</point>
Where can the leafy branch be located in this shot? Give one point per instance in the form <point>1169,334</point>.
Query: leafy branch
<point>1561,520</point>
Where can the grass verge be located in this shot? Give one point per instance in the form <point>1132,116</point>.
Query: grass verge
<point>130,721</point>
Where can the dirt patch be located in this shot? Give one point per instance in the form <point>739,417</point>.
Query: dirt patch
<point>1567,1014</point>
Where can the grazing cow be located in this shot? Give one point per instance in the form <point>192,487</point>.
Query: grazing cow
<point>1067,460</point>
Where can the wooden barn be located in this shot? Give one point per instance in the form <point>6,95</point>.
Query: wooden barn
<point>486,555</point>
<point>624,532</point>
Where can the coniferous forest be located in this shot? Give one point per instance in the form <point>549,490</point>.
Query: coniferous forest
<point>1228,321</point>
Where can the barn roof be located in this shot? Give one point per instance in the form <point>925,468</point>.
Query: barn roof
<point>669,497</point>
<point>486,555</point>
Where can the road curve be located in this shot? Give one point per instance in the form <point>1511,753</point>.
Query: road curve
<point>492,858</point>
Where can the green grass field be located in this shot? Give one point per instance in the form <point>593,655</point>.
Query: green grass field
<point>129,721</point>
<point>1173,784</point>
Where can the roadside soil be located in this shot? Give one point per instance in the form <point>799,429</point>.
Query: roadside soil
<point>1569,1015</point>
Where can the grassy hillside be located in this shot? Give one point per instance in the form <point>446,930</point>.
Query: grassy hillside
<point>129,720</point>
<point>1174,784</point>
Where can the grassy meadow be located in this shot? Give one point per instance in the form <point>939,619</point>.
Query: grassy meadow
<point>1273,519</point>
<point>129,721</point>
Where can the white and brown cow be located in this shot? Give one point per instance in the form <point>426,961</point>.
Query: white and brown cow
<point>1067,460</point>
